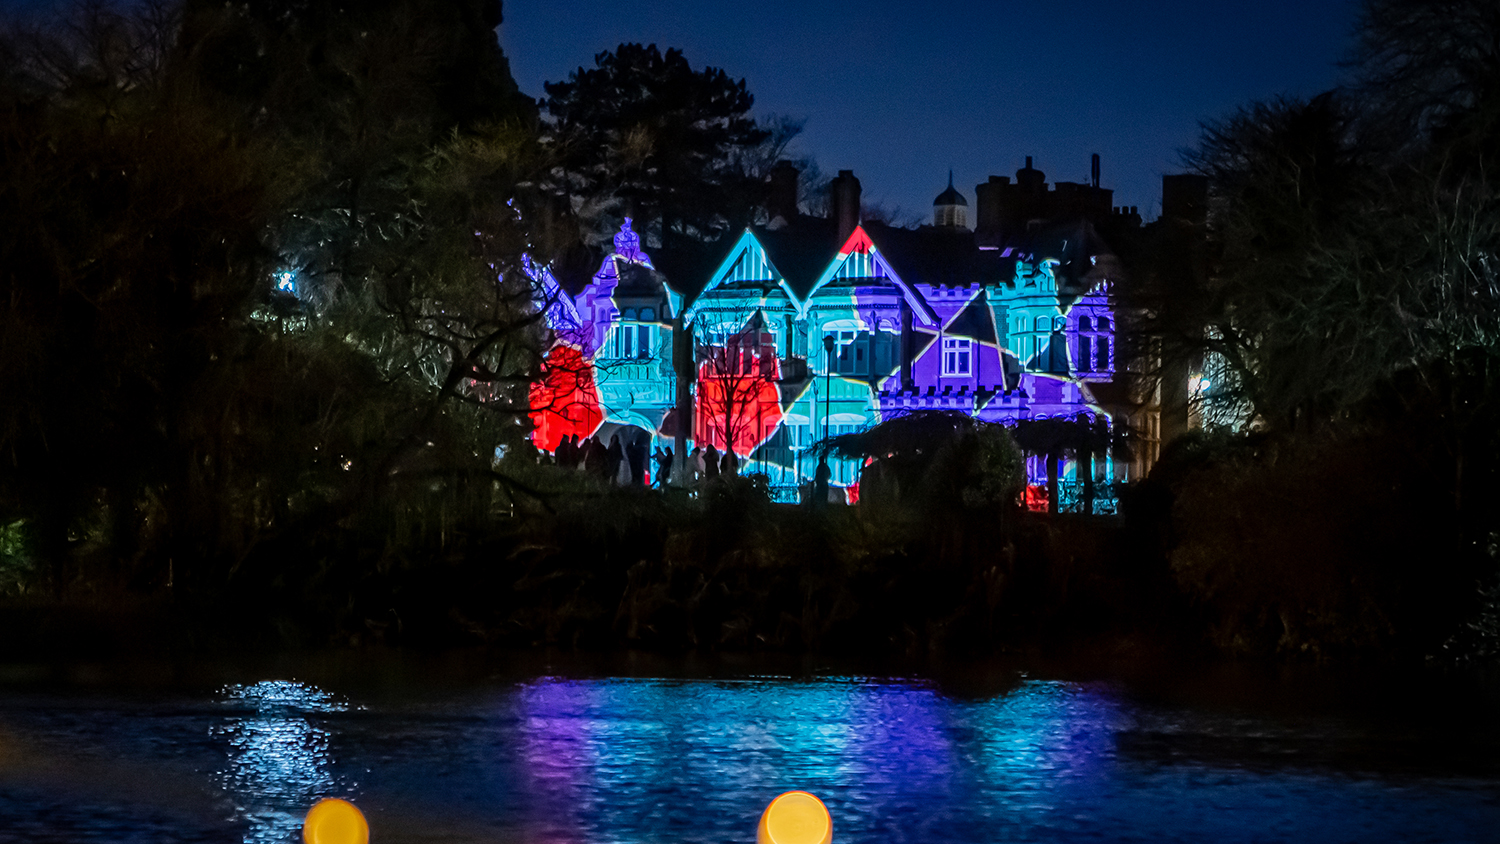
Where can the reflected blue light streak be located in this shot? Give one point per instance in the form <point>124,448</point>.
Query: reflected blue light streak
<point>278,759</point>
<point>883,753</point>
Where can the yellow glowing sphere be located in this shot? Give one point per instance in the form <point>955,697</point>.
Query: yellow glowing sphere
<point>795,817</point>
<point>335,821</point>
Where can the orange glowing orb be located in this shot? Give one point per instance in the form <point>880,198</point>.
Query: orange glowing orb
<point>795,817</point>
<point>335,821</point>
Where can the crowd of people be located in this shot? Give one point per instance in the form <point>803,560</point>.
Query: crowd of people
<point>629,464</point>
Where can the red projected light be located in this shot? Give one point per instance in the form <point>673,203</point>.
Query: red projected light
<point>564,402</point>
<point>744,409</point>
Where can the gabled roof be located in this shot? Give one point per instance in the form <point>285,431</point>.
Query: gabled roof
<point>804,255</point>
<point>688,265</point>
<point>746,262</point>
<point>940,256</point>
<point>801,250</point>
<point>859,245</point>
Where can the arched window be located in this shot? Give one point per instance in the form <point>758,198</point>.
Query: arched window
<point>1085,352</point>
<point>1101,363</point>
<point>1085,324</point>
<point>1103,324</point>
<point>648,314</point>
<point>1041,323</point>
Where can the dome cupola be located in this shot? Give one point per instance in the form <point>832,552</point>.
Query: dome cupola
<point>950,209</point>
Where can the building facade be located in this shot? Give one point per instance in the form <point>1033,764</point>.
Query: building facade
<point>807,327</point>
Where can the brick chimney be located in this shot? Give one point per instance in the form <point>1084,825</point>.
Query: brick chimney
<point>843,203</point>
<point>781,197</point>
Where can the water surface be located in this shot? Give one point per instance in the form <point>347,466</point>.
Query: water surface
<point>678,752</point>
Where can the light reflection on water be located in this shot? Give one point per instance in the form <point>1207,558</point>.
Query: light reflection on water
<point>595,761</point>
<point>278,759</point>
<point>889,758</point>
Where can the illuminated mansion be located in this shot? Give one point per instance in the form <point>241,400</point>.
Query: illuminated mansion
<point>808,326</point>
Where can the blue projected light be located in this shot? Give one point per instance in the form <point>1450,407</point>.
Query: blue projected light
<point>286,282</point>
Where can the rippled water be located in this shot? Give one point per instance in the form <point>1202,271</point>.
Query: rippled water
<point>562,758</point>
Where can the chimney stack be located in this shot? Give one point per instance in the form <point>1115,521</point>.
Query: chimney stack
<point>1030,179</point>
<point>781,197</point>
<point>843,195</point>
<point>1095,170</point>
<point>990,199</point>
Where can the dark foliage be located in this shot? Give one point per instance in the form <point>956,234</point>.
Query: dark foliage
<point>642,134</point>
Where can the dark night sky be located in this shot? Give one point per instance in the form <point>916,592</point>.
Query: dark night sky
<point>901,91</point>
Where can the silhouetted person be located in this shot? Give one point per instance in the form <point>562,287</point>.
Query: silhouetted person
<point>636,454</point>
<point>616,457</point>
<point>820,484</point>
<point>695,465</point>
<point>564,452</point>
<point>731,463</point>
<point>663,460</point>
<point>710,462</point>
<point>596,458</point>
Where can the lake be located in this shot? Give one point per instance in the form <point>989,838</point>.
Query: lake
<point>555,749</point>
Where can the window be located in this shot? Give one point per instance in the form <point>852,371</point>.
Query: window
<point>1101,362</point>
<point>956,352</point>
<point>797,435</point>
<point>1085,351</point>
<point>850,353</point>
<point>1085,324</point>
<point>632,341</point>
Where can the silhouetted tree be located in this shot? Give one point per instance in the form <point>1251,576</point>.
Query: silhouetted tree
<point>642,134</point>
<point>1428,69</point>
<point>934,462</point>
<point>130,259</point>
<point>231,327</point>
